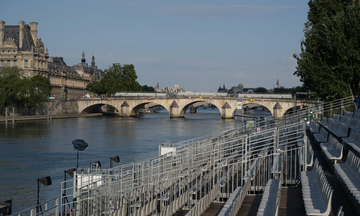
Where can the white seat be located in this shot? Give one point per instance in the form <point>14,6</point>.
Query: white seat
<point>322,136</point>
<point>317,192</point>
<point>353,140</point>
<point>332,149</point>
<point>349,173</point>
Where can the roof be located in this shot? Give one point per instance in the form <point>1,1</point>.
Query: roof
<point>13,32</point>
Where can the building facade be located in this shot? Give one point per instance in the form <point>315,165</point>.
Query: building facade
<point>21,47</point>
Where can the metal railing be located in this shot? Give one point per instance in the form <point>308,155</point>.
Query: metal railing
<point>188,171</point>
<point>47,208</point>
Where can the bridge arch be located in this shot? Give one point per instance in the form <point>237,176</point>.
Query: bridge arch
<point>95,107</point>
<point>200,102</point>
<point>297,108</point>
<point>268,106</point>
<point>138,106</point>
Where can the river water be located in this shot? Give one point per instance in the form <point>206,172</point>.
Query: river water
<point>31,150</point>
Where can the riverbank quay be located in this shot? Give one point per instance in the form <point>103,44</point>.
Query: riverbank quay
<point>45,117</point>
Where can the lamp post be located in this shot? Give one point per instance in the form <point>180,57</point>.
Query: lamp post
<point>46,181</point>
<point>79,145</point>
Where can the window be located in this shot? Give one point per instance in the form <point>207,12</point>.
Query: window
<point>8,50</point>
<point>8,63</point>
<point>14,63</point>
<point>26,63</point>
<point>26,74</point>
<point>2,63</point>
<point>14,56</point>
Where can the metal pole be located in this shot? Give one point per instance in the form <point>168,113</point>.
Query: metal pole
<point>6,114</point>
<point>13,111</point>
<point>77,160</point>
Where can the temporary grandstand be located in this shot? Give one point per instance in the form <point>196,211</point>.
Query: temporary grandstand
<point>280,166</point>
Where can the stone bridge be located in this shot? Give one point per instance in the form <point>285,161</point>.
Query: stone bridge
<point>177,106</point>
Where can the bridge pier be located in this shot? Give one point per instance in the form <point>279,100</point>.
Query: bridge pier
<point>193,109</point>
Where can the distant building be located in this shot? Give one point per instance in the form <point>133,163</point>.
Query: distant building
<point>236,89</point>
<point>277,83</point>
<point>20,46</point>
<point>223,89</point>
<point>168,89</point>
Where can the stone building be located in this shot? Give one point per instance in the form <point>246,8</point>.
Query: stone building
<point>20,46</point>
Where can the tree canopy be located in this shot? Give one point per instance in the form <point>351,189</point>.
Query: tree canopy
<point>146,88</point>
<point>260,90</point>
<point>21,91</point>
<point>329,62</point>
<point>117,78</point>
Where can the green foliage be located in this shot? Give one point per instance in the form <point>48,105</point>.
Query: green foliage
<point>18,90</point>
<point>12,86</point>
<point>146,88</point>
<point>260,90</point>
<point>38,88</point>
<point>116,79</point>
<point>281,90</point>
<point>96,87</point>
<point>329,62</point>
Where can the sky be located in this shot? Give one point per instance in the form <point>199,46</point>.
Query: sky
<point>199,45</point>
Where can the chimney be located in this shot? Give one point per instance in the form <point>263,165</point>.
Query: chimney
<point>2,31</point>
<point>33,30</point>
<point>21,33</point>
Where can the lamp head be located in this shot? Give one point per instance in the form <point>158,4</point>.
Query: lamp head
<point>79,144</point>
<point>116,159</point>
<point>46,181</point>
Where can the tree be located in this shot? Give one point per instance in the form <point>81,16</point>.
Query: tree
<point>281,90</point>
<point>146,88</point>
<point>329,62</point>
<point>21,91</point>
<point>96,87</point>
<point>116,79</point>
<point>260,90</point>
<point>12,86</point>
<point>38,89</point>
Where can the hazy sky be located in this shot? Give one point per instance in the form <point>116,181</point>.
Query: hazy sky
<point>197,44</point>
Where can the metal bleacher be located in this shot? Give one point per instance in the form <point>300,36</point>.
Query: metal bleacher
<point>225,167</point>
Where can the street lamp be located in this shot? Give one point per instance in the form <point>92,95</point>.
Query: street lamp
<point>116,159</point>
<point>79,145</point>
<point>46,181</point>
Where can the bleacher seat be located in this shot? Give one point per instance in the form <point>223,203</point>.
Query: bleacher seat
<point>348,114</point>
<point>322,136</point>
<point>332,149</point>
<point>353,140</point>
<point>313,127</point>
<point>270,200</point>
<point>317,192</point>
<point>345,120</point>
<point>354,124</point>
<point>323,121</point>
<point>349,174</point>
<point>336,117</point>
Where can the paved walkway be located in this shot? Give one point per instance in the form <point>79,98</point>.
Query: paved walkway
<point>44,117</point>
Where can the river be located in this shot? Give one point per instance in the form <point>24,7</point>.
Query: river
<point>31,150</point>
